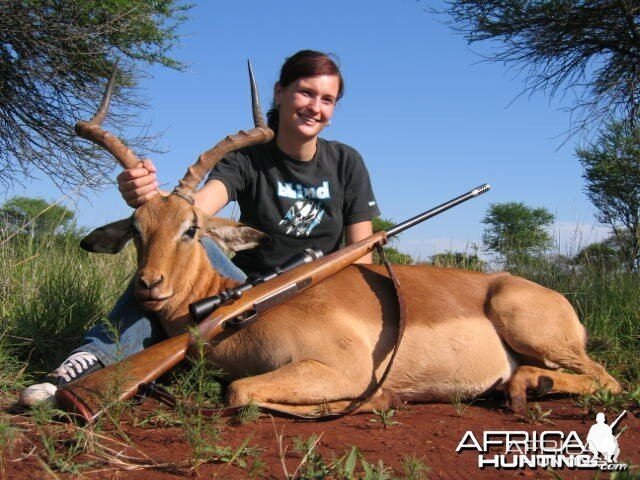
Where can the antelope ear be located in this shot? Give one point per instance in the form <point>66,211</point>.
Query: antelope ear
<point>233,236</point>
<point>110,238</point>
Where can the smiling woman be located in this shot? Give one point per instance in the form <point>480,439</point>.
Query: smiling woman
<point>305,95</point>
<point>305,108</point>
<point>298,189</point>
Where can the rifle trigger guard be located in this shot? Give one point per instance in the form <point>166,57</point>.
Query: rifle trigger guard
<point>243,320</point>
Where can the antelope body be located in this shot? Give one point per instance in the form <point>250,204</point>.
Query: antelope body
<point>466,332</point>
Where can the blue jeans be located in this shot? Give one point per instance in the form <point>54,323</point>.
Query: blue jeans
<point>130,329</point>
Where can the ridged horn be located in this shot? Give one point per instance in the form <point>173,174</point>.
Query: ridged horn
<point>92,130</point>
<point>207,160</point>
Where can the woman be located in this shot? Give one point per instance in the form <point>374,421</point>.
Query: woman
<point>301,190</point>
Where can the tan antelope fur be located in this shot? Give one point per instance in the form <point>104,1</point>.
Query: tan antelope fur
<point>466,332</point>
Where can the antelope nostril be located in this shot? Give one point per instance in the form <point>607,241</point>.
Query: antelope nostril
<point>143,282</point>
<point>150,280</point>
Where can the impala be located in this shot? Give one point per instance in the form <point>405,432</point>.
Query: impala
<point>466,332</point>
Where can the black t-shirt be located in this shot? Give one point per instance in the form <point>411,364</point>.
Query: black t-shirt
<point>298,204</point>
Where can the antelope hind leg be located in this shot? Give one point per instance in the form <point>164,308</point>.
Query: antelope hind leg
<point>542,381</point>
<point>542,325</point>
<point>307,387</point>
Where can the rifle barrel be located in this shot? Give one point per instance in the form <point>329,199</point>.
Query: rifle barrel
<point>437,210</point>
<point>617,420</point>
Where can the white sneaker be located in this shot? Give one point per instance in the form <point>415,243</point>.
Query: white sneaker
<point>39,393</point>
<point>77,365</point>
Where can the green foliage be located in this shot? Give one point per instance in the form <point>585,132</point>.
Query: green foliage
<point>61,450</point>
<point>12,368</point>
<point>54,58</point>
<point>458,260</point>
<point>460,402</point>
<point>516,231</point>
<point>313,466</point>
<point>351,466</point>
<point>344,468</point>
<point>588,49</point>
<point>603,399</point>
<point>196,388</point>
<point>385,417</point>
<point>36,217</point>
<point>248,414</point>
<point>380,223</point>
<point>8,435</point>
<point>604,255</point>
<point>51,292</point>
<point>612,174</point>
<point>376,471</point>
<point>600,253</point>
<point>413,468</point>
<point>393,255</point>
<point>53,310</point>
<point>535,414</point>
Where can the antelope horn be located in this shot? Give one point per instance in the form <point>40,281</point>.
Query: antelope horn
<point>93,131</point>
<point>258,119</point>
<point>207,160</point>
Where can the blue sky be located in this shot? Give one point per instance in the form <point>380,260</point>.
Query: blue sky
<point>431,119</point>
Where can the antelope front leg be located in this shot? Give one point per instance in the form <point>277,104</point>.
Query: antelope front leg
<point>307,387</point>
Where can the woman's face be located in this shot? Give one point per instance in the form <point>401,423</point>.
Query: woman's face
<point>306,105</point>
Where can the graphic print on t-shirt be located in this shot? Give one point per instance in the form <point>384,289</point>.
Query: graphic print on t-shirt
<point>306,212</point>
<point>302,217</point>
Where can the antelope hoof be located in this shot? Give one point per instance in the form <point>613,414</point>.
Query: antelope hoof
<point>613,386</point>
<point>545,384</point>
<point>518,404</point>
<point>392,398</point>
<point>237,396</point>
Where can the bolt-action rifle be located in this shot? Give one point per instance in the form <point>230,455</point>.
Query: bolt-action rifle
<point>614,424</point>
<point>88,396</point>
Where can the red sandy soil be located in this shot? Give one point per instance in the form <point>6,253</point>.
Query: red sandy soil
<point>429,432</point>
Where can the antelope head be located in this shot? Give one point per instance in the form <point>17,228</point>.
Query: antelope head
<point>173,268</point>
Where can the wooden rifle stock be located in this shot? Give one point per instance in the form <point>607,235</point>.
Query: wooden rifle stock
<point>91,395</point>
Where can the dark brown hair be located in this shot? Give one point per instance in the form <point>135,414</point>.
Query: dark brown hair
<point>305,63</point>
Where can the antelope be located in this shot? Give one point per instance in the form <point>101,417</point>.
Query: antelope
<point>466,333</point>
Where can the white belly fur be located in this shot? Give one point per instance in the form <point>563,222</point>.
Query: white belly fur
<point>453,359</point>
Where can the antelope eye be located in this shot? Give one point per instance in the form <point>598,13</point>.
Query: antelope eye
<point>191,231</point>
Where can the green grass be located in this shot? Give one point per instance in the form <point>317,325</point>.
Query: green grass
<point>385,418</point>
<point>52,292</point>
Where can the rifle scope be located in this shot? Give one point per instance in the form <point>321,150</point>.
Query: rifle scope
<point>202,308</point>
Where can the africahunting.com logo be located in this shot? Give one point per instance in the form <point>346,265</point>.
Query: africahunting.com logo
<point>516,449</point>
